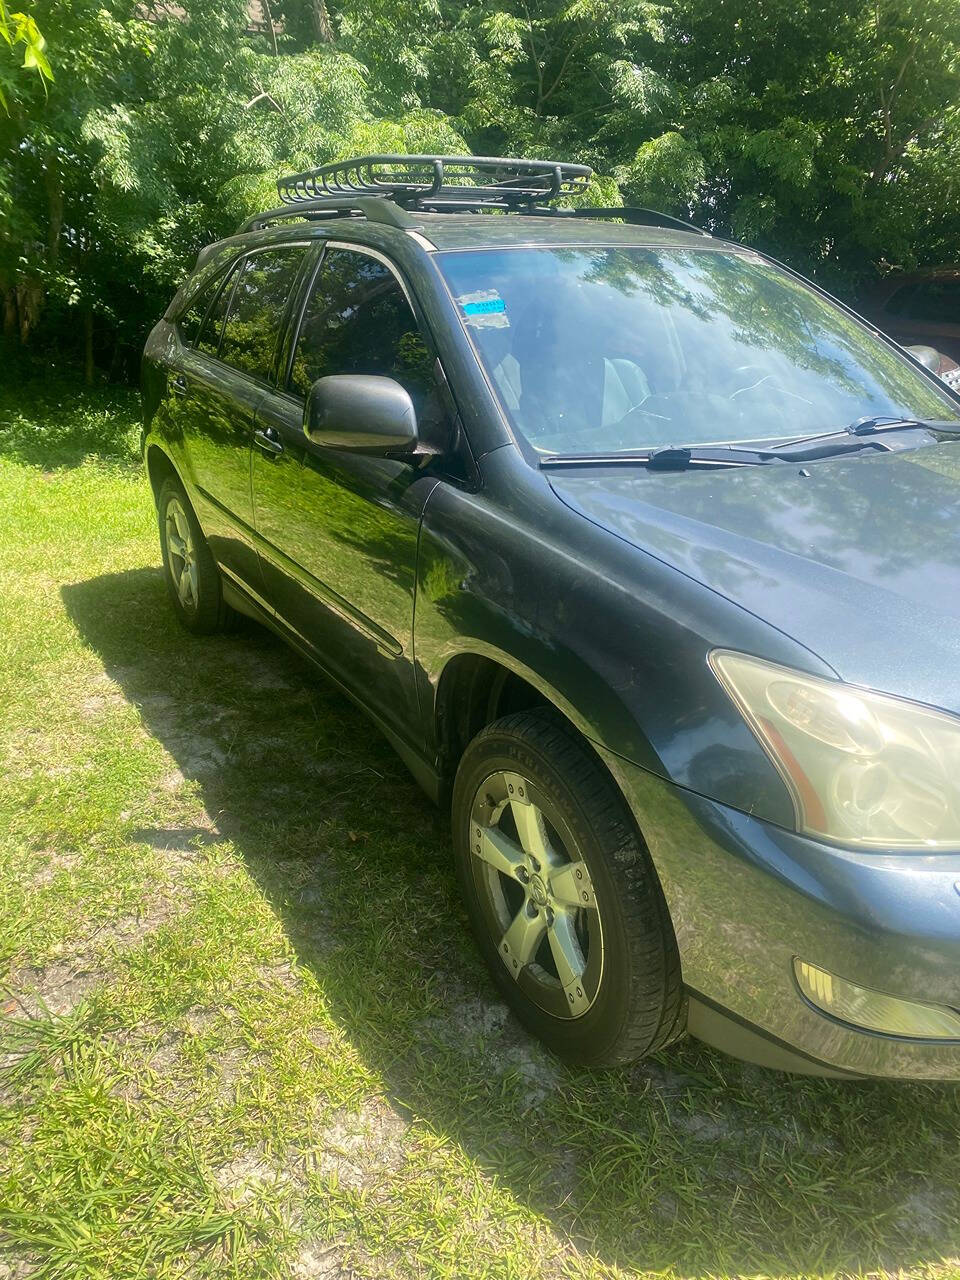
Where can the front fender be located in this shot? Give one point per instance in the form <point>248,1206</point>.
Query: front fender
<point>613,637</point>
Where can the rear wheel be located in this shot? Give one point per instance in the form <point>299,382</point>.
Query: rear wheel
<point>191,573</point>
<point>562,895</point>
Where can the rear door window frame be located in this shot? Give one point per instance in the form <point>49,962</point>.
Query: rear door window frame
<point>232,276</point>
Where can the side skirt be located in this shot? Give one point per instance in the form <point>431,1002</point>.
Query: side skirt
<point>425,773</point>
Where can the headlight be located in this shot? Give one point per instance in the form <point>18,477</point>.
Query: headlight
<point>863,769</point>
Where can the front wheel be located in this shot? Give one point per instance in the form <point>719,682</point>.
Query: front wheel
<point>562,894</point>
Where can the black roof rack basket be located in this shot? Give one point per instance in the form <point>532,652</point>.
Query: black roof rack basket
<point>439,182</point>
<point>390,189</point>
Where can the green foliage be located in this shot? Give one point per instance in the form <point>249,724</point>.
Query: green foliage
<point>47,420</point>
<point>666,173</point>
<point>827,134</point>
<point>21,29</point>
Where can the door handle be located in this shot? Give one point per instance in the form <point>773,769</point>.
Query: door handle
<point>179,385</point>
<point>268,440</point>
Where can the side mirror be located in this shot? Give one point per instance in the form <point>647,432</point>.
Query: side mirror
<point>361,413</point>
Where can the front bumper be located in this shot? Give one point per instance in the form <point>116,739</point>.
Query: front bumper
<point>747,897</point>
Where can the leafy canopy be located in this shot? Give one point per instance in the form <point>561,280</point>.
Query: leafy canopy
<point>825,132</point>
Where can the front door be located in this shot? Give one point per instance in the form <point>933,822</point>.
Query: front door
<point>338,531</point>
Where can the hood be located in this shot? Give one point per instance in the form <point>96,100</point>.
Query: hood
<point>855,557</point>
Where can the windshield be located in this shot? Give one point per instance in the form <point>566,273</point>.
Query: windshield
<point>607,350</point>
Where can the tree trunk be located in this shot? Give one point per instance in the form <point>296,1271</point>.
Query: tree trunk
<point>322,30</point>
<point>268,18</point>
<point>51,178</point>
<point>29,306</point>
<point>10,324</point>
<point>88,368</point>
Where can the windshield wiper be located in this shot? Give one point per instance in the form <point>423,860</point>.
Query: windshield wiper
<point>877,426</point>
<point>705,457</point>
<point>666,458</point>
<point>888,422</point>
<point>849,439</point>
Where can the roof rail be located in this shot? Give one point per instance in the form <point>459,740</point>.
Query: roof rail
<point>373,208</point>
<point>438,182</point>
<point>628,213</point>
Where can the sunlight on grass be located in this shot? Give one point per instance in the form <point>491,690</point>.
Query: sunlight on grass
<point>244,1030</point>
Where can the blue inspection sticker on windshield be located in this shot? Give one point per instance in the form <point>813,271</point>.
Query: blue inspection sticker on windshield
<point>484,309</point>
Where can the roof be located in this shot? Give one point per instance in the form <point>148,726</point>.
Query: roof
<point>497,231</point>
<point>879,291</point>
<point>489,231</point>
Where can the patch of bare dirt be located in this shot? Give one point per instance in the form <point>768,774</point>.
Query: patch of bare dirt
<point>360,1147</point>
<point>97,705</point>
<point>56,989</point>
<point>319,1262</point>
<point>471,1024</point>
<point>51,862</point>
<point>246,1177</point>
<point>924,1212</point>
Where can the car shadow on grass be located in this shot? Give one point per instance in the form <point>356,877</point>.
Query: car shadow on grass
<point>689,1161</point>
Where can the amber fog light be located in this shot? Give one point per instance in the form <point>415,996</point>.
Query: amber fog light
<point>875,1010</point>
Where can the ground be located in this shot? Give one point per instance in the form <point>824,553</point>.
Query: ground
<point>244,1031</point>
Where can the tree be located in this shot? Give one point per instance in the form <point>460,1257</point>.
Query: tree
<point>824,131</point>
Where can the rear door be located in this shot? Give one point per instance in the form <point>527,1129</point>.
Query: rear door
<point>222,380</point>
<point>339,530</point>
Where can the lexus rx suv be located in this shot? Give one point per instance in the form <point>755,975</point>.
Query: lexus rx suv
<point>642,551</point>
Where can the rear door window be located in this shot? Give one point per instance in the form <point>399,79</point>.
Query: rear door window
<point>257,307</point>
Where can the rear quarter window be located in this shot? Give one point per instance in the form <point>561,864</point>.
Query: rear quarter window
<point>190,318</point>
<point>208,339</point>
<point>206,276</point>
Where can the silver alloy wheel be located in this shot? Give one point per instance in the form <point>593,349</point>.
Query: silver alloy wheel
<point>537,895</point>
<point>181,554</point>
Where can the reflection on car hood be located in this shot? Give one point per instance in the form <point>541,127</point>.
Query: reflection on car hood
<point>858,560</point>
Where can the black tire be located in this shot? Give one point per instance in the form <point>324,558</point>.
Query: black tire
<point>636,995</point>
<point>205,610</point>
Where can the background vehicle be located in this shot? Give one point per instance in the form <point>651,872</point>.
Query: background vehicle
<point>919,308</point>
<point>618,532</point>
<point>938,363</point>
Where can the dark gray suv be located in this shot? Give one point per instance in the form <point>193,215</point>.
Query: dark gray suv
<point>645,555</point>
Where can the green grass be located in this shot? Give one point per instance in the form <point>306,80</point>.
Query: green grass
<point>244,1031</point>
